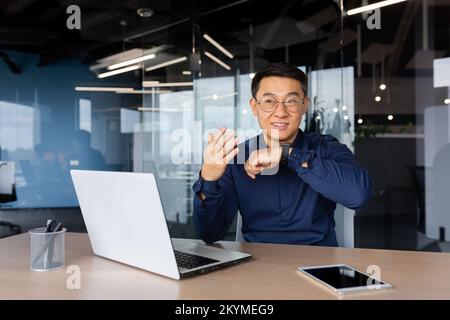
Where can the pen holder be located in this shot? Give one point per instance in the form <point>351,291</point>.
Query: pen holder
<point>47,249</point>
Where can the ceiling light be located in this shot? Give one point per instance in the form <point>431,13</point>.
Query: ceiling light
<point>216,96</point>
<point>344,108</point>
<point>144,12</point>
<point>131,61</point>
<point>335,109</point>
<point>360,121</point>
<point>390,117</point>
<point>251,75</point>
<point>167,63</point>
<point>377,98</point>
<point>382,86</point>
<point>447,101</point>
<point>372,6</point>
<point>152,109</point>
<point>346,117</point>
<point>218,46</point>
<point>103,89</point>
<point>114,72</point>
<point>166,84</point>
<point>151,83</point>
<point>217,60</point>
<point>143,91</point>
<point>186,73</point>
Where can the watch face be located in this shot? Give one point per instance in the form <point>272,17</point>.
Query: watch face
<point>284,152</point>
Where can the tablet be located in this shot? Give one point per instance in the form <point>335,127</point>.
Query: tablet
<point>343,279</point>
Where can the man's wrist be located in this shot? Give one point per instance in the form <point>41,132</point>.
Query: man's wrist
<point>205,174</point>
<point>202,175</point>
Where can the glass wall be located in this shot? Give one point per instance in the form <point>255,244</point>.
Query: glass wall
<point>398,53</point>
<point>378,81</point>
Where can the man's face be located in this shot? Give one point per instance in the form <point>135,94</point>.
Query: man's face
<point>284,120</point>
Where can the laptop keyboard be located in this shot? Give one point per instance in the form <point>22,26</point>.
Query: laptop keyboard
<point>190,261</point>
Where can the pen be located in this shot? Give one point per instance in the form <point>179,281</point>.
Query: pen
<point>47,228</point>
<point>50,226</point>
<point>58,227</point>
<point>52,245</point>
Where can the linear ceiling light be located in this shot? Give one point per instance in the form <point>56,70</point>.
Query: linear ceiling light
<point>104,89</point>
<point>167,63</point>
<point>131,61</point>
<point>166,84</point>
<point>217,60</point>
<point>143,91</point>
<point>151,109</point>
<point>373,6</point>
<point>218,46</point>
<point>114,72</point>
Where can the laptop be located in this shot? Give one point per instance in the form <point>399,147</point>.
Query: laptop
<point>125,221</point>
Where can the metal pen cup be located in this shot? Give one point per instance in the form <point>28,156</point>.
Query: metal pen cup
<point>47,249</point>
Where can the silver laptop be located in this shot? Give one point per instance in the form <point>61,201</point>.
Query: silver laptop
<point>125,221</point>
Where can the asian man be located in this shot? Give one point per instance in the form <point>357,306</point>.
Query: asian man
<point>285,183</point>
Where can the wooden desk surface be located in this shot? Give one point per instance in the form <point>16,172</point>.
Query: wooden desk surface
<point>270,274</point>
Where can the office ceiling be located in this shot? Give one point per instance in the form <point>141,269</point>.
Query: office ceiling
<point>292,30</point>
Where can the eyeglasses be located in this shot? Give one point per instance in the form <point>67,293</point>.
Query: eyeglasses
<point>269,104</point>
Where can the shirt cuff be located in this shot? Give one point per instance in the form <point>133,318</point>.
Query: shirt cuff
<point>207,187</point>
<point>297,157</point>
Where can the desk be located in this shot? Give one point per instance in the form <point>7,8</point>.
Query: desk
<point>270,274</point>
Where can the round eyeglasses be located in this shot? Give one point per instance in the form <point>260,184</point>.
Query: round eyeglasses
<point>269,104</point>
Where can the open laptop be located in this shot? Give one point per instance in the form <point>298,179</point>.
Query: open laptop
<point>125,221</point>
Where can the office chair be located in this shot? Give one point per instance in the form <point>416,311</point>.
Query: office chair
<point>417,174</point>
<point>9,197</point>
<point>4,198</point>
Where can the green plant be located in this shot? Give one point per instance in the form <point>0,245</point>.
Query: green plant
<point>370,130</point>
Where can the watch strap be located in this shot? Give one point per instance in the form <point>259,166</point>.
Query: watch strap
<point>284,152</point>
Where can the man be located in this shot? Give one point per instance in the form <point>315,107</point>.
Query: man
<point>285,183</point>
<point>84,156</point>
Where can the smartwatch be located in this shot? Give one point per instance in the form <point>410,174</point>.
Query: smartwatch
<point>285,152</point>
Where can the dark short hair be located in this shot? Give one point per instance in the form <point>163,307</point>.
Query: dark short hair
<point>83,137</point>
<point>280,70</point>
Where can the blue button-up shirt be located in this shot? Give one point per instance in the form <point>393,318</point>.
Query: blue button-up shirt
<point>289,203</point>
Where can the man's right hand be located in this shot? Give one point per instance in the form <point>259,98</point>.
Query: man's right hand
<point>220,150</point>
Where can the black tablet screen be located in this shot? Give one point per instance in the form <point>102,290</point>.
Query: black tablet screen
<point>341,277</point>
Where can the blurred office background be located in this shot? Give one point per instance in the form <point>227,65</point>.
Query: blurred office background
<point>378,81</point>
